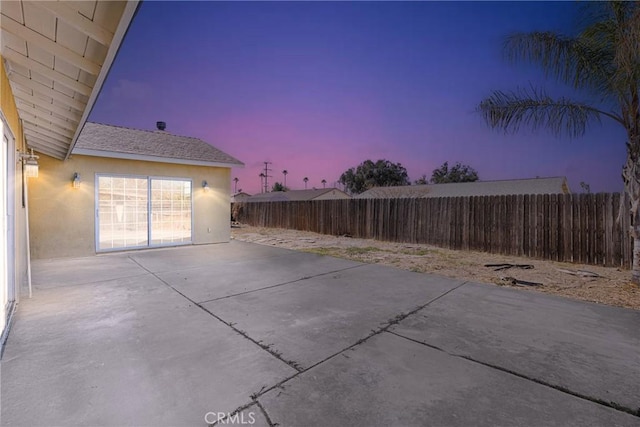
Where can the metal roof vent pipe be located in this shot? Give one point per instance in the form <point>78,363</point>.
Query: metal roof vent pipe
<point>161,125</point>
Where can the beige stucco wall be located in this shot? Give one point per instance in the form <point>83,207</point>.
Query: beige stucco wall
<point>62,218</point>
<point>8,107</point>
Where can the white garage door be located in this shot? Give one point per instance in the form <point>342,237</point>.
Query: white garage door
<point>138,212</point>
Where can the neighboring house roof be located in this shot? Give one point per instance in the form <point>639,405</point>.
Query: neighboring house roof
<point>239,197</point>
<point>157,146</point>
<point>293,195</point>
<point>554,185</point>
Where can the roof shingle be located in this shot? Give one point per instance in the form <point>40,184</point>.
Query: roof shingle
<point>100,139</point>
<point>291,195</point>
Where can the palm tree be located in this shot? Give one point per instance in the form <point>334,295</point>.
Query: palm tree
<point>602,61</point>
<point>235,185</point>
<point>285,173</point>
<point>324,183</point>
<point>305,179</point>
<point>262,178</point>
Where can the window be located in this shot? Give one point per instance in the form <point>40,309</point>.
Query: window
<point>137,212</point>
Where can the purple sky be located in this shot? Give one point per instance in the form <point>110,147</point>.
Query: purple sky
<point>319,87</point>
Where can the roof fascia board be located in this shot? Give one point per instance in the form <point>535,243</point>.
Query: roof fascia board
<point>140,157</point>
<point>130,11</point>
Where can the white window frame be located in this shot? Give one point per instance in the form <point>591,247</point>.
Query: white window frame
<point>8,282</point>
<point>149,179</point>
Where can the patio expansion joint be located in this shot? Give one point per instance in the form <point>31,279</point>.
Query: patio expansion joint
<point>282,284</point>
<point>612,405</point>
<point>265,347</point>
<point>266,416</point>
<point>391,322</point>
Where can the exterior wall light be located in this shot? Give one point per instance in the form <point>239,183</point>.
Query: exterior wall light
<point>76,180</point>
<point>30,164</point>
<point>205,185</point>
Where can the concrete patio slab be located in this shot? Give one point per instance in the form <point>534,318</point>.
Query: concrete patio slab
<point>107,341</point>
<point>171,259</point>
<point>310,320</point>
<point>234,277</point>
<point>56,272</point>
<point>126,352</point>
<point>391,381</point>
<point>590,349</point>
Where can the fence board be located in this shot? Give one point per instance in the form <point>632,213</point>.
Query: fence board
<point>580,228</point>
<point>552,215</point>
<point>567,225</point>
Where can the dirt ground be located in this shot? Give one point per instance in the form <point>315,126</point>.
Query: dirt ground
<point>611,286</point>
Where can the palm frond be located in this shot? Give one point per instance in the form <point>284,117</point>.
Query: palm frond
<point>617,31</point>
<point>510,111</point>
<point>571,60</point>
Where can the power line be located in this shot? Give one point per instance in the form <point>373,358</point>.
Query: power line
<point>267,169</point>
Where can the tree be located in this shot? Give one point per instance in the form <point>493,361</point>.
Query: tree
<point>278,186</point>
<point>368,174</point>
<point>603,63</point>
<point>324,183</point>
<point>305,179</point>
<point>235,186</point>
<point>285,173</point>
<point>422,180</point>
<point>457,173</point>
<point>262,180</point>
<point>586,187</point>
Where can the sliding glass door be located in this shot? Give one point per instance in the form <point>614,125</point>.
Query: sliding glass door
<point>138,212</point>
<point>123,212</point>
<point>170,211</point>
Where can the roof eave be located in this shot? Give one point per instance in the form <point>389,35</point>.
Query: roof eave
<point>125,21</point>
<point>157,159</point>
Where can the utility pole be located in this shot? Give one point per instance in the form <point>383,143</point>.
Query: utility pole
<point>267,169</point>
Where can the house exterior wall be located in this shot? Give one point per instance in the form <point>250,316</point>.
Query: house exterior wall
<point>332,195</point>
<point>15,268</point>
<point>8,106</point>
<point>62,218</point>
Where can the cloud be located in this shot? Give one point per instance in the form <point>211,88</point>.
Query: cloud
<point>130,91</point>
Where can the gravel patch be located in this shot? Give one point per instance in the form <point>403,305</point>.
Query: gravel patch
<point>611,287</point>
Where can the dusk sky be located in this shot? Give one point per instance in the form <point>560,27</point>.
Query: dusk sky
<point>319,87</point>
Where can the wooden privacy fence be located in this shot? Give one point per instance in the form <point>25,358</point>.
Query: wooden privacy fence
<point>579,228</point>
